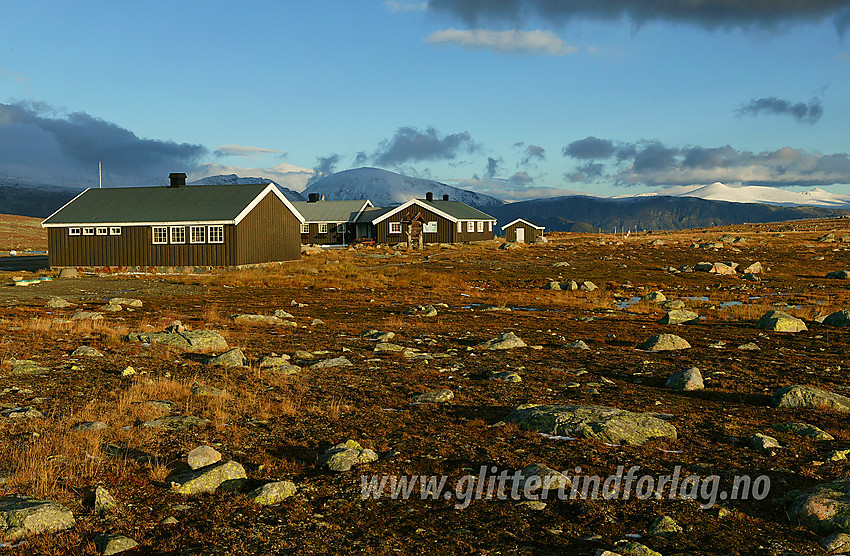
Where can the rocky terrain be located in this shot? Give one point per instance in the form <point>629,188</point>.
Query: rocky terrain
<point>238,412</point>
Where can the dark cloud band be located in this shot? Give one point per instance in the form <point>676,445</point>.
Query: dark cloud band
<point>803,112</point>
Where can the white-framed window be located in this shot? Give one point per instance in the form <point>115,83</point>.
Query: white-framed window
<point>88,231</point>
<point>305,228</point>
<point>74,231</point>
<point>459,226</point>
<point>490,228</point>
<point>395,227</point>
<point>197,234</point>
<point>340,228</point>
<point>323,228</point>
<point>102,231</point>
<point>159,235</point>
<point>479,226</point>
<point>178,234</point>
<point>470,226</point>
<point>430,227</point>
<point>115,231</point>
<point>215,234</point>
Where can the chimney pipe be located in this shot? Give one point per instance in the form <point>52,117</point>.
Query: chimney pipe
<point>177,179</point>
<point>445,196</point>
<point>313,198</point>
<point>429,196</point>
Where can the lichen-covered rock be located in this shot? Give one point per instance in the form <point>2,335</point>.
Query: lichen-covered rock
<point>606,424</point>
<point>24,367</point>
<point>803,429</point>
<point>436,396</point>
<point>537,476</point>
<point>114,543</point>
<point>654,297</point>
<point>505,376</point>
<point>825,508</point>
<point>838,318</point>
<point>631,548</point>
<point>22,516</point>
<point>679,316</point>
<point>203,456</point>
<point>188,340</point>
<point>59,303</point>
<point>780,321</point>
<point>505,340</point>
<point>343,456</point>
<point>256,319</point>
<point>86,351</point>
<point>664,526</point>
<point>664,342</point>
<point>104,503</point>
<point>333,362</point>
<point>761,441</point>
<point>272,493</point>
<point>230,358</point>
<point>207,479</point>
<point>176,423</point>
<point>86,315</point>
<point>808,397</point>
<point>126,302</point>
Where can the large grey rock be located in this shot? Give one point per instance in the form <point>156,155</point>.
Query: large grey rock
<point>664,526</point>
<point>22,516</point>
<point>825,508</point>
<point>803,429</point>
<point>689,379</point>
<point>256,319</point>
<point>114,543</point>
<point>679,316</point>
<point>25,367</point>
<point>126,302</point>
<point>838,318</point>
<point>207,479</point>
<point>505,340</point>
<point>807,397</point>
<point>333,362</point>
<point>378,336</point>
<point>664,342</point>
<point>435,396</point>
<point>654,297</point>
<point>544,477</point>
<point>189,340</point>
<point>838,274</point>
<point>343,456</point>
<point>761,441</point>
<point>86,315</point>
<point>86,351</point>
<point>606,424</point>
<point>22,413</point>
<point>422,311</point>
<point>230,358</point>
<point>176,423</point>
<point>588,286</point>
<point>272,493</point>
<point>104,503</point>
<point>780,321</point>
<point>632,548</point>
<point>203,456</point>
<point>59,303</point>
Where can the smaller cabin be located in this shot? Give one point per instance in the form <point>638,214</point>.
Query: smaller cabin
<point>522,231</point>
<point>329,222</point>
<point>442,221</point>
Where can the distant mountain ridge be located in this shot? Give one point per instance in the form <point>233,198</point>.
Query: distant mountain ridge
<point>575,213</point>
<point>233,179</point>
<point>755,194</point>
<point>385,188</point>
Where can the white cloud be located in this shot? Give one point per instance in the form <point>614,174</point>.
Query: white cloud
<point>243,151</point>
<point>507,42</point>
<point>287,175</point>
<point>398,7</point>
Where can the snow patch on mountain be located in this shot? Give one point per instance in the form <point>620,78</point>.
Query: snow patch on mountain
<point>233,179</point>
<point>755,194</point>
<point>385,188</point>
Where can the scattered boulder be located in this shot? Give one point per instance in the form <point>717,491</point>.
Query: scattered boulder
<point>113,543</point>
<point>510,245</point>
<point>754,268</point>
<point>606,424</point>
<point>825,508</point>
<point>203,456</point>
<point>723,269</point>
<point>828,237</point>
<point>505,376</point>
<point>86,351</point>
<point>188,340</point>
<point>230,358</point>
<point>679,316</point>
<point>272,493</point>
<point>126,302</point>
<point>59,303</point>
<point>838,274</point>
<point>797,396</point>
<point>104,503</point>
<point>255,319</point>
<point>505,340</point>
<point>535,476</point>
<point>578,344</point>
<point>664,526</point>
<point>422,311</point>
<point>803,429</point>
<point>587,286</point>
<point>69,273</point>
<point>176,423</point>
<point>208,479</point>
<point>343,456</point>
<point>654,297</point>
<point>89,426</point>
<point>378,336</point>
<point>86,315</point>
<point>22,516</point>
<point>631,548</point>
<point>687,380</point>
<point>25,367</point>
<point>673,305</point>
<point>664,342</point>
<point>838,318</point>
<point>435,396</point>
<point>22,413</point>
<point>332,362</point>
<point>763,442</point>
<point>780,321</point>
<point>835,543</point>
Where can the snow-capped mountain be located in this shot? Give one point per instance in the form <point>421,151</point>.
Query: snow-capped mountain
<point>756,194</point>
<point>233,179</point>
<point>385,188</point>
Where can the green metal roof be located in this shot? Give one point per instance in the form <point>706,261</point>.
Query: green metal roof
<point>329,211</point>
<point>457,210</point>
<point>195,203</point>
<point>372,213</point>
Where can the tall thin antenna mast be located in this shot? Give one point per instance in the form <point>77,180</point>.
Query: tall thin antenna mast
<point>99,176</point>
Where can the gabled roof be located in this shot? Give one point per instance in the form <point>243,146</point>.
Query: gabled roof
<point>372,213</point>
<point>451,210</point>
<point>331,211</point>
<point>526,222</point>
<point>139,206</point>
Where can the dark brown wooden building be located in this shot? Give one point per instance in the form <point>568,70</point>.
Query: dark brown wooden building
<point>200,225</point>
<point>522,231</point>
<point>445,222</point>
<point>329,222</point>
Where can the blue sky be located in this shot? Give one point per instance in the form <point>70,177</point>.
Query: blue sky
<point>517,98</point>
